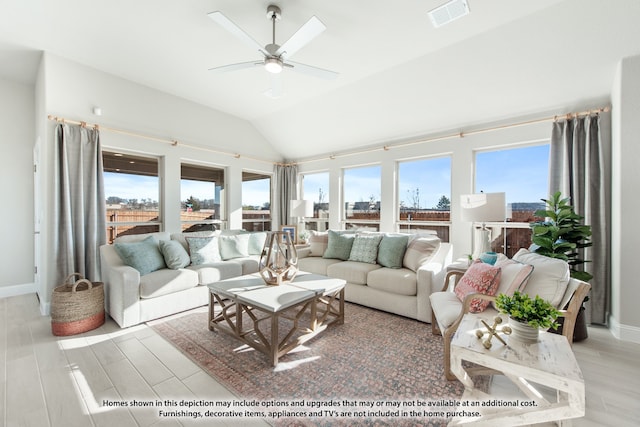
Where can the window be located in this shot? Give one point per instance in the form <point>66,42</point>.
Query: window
<point>315,186</point>
<point>201,197</point>
<point>256,201</point>
<point>424,196</point>
<point>523,174</point>
<point>361,189</point>
<point>132,191</point>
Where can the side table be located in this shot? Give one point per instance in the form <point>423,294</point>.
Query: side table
<point>549,362</point>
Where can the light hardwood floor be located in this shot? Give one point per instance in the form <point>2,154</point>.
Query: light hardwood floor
<point>64,381</point>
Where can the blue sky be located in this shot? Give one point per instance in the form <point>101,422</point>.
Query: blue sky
<point>520,172</point>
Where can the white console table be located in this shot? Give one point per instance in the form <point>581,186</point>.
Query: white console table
<point>549,362</point>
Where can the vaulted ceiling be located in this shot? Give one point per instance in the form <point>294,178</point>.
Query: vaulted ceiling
<point>399,76</point>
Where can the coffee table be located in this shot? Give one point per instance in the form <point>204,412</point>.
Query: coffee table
<point>309,303</point>
<point>549,362</point>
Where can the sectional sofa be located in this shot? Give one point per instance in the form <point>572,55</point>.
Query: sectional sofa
<point>148,276</point>
<point>153,275</point>
<point>387,271</point>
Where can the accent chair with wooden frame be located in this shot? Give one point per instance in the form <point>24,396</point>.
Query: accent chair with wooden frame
<point>447,311</point>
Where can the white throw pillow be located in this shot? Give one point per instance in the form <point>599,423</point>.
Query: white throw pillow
<point>549,278</point>
<point>514,276</point>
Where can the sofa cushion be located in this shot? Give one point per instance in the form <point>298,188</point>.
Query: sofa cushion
<point>549,278</point>
<point>248,264</point>
<point>235,246</point>
<point>315,264</point>
<point>339,245</point>
<point>514,275</point>
<point>216,271</point>
<point>256,242</point>
<point>401,281</point>
<point>318,242</point>
<point>182,237</point>
<point>174,254</point>
<point>144,255</point>
<point>351,271</point>
<point>479,278</point>
<point>167,281</point>
<point>203,250</point>
<point>419,251</point>
<point>365,248</point>
<point>446,308</point>
<point>391,250</point>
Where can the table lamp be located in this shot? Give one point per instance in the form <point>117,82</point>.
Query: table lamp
<point>482,208</point>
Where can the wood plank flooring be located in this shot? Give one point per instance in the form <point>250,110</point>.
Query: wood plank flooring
<point>65,381</point>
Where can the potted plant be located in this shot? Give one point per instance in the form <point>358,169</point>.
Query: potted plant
<point>527,315</point>
<point>304,236</point>
<point>561,235</point>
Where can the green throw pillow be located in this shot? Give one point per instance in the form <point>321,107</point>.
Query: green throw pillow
<point>339,246</point>
<point>144,256</point>
<point>392,249</point>
<point>203,250</point>
<point>175,255</point>
<point>365,248</point>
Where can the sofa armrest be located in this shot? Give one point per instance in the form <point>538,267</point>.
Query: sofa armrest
<point>303,252</point>
<point>122,287</point>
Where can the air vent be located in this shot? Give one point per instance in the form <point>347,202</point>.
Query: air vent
<point>448,12</point>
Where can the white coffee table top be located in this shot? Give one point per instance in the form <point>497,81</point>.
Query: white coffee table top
<point>252,290</point>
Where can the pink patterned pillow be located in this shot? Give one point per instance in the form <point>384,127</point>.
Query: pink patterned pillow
<point>479,278</point>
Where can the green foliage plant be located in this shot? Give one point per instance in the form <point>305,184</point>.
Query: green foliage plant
<point>537,312</point>
<point>561,234</point>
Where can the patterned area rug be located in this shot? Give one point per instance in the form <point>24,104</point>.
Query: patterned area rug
<point>375,359</point>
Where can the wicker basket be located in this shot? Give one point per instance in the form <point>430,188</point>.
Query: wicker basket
<point>77,307</point>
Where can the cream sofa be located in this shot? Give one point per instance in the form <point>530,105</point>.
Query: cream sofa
<point>419,269</point>
<point>176,281</point>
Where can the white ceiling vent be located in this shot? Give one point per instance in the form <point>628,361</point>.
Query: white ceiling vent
<point>448,12</point>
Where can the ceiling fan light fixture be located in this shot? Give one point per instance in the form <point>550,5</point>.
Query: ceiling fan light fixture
<point>273,65</point>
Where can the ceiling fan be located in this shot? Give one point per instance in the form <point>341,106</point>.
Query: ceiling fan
<point>276,57</point>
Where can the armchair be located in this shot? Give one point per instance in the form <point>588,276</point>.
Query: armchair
<point>447,310</point>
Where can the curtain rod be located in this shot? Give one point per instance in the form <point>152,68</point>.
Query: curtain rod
<point>172,142</point>
<point>460,134</point>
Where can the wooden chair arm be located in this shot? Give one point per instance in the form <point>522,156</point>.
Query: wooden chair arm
<point>455,273</point>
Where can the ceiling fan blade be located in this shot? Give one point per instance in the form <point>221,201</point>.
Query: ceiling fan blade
<point>276,89</point>
<point>312,71</point>
<point>234,67</point>
<point>230,26</point>
<point>300,38</point>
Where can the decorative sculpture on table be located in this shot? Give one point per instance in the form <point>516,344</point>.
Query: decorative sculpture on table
<point>493,332</point>
<point>279,259</point>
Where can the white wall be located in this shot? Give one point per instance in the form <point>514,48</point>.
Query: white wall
<point>71,90</point>
<point>16,188</point>
<point>625,317</point>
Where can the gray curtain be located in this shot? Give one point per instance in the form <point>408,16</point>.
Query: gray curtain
<point>80,203</point>
<point>285,190</point>
<point>579,170</point>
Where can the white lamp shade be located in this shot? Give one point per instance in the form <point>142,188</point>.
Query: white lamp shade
<point>301,208</point>
<point>483,207</point>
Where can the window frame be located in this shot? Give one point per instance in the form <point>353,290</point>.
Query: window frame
<point>360,223</point>
<point>319,224</point>
<point>112,226</point>
<point>220,222</point>
<point>267,223</point>
<point>441,227</point>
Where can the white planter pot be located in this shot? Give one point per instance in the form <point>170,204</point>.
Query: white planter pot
<point>523,332</point>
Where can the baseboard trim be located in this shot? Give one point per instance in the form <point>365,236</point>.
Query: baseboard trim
<point>15,290</point>
<point>624,332</point>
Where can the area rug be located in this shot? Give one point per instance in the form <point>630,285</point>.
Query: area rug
<point>375,369</point>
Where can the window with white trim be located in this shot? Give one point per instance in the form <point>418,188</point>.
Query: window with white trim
<point>424,196</point>
<point>132,191</point>
<point>315,187</point>
<point>361,197</point>
<point>202,198</point>
<point>256,201</point>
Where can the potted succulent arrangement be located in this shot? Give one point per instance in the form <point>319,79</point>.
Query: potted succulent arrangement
<point>527,315</point>
<point>303,235</point>
<point>561,235</point>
